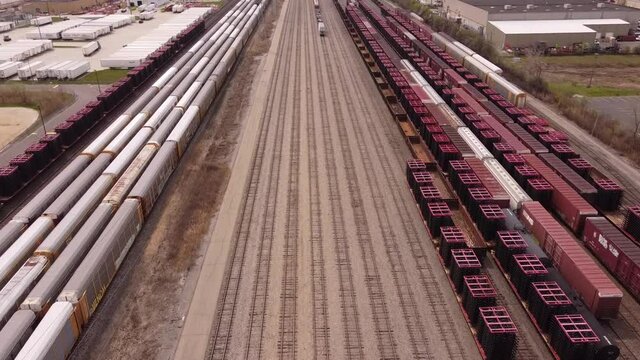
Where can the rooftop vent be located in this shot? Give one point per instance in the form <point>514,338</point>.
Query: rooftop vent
<point>567,6</point>
<point>508,7</point>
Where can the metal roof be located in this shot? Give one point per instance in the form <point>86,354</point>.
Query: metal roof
<point>520,6</point>
<point>552,26</point>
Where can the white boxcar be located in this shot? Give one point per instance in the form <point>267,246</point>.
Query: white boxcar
<point>16,333</point>
<point>55,335</point>
<point>17,288</point>
<point>516,195</point>
<point>474,143</point>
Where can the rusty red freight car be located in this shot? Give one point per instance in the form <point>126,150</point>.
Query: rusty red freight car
<point>615,250</point>
<point>469,100</point>
<point>567,203</point>
<point>506,135</point>
<point>534,145</point>
<point>580,184</point>
<point>453,79</point>
<point>597,291</point>
<point>499,194</point>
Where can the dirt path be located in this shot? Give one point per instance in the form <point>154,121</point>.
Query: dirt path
<point>14,121</point>
<point>323,250</point>
<point>142,315</point>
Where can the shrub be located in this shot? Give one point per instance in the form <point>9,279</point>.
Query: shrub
<point>48,101</point>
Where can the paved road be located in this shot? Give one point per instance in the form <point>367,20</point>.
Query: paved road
<point>83,94</point>
<point>620,108</point>
<point>318,248</point>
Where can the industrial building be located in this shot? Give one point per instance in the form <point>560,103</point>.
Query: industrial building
<point>477,14</point>
<point>554,33</point>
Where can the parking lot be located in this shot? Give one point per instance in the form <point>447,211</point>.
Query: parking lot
<point>110,43</point>
<point>620,108</point>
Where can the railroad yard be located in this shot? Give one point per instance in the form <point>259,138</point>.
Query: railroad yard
<point>318,179</point>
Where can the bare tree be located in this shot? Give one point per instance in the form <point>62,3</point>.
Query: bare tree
<point>637,125</point>
<point>535,63</point>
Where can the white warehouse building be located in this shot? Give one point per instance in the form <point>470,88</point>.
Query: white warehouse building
<point>157,3</point>
<point>524,33</point>
<point>477,14</point>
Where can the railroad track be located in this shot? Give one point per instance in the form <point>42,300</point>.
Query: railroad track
<point>289,293</point>
<point>386,342</point>
<point>353,342</point>
<point>626,327</point>
<point>417,334</point>
<point>321,337</point>
<point>524,348</point>
<point>442,316</point>
<point>222,326</point>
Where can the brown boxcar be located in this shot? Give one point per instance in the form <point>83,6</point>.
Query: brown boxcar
<point>506,135</point>
<point>615,250</point>
<point>597,291</point>
<point>580,184</point>
<point>534,145</point>
<point>567,203</point>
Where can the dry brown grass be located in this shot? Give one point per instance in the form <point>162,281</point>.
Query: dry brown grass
<point>48,101</point>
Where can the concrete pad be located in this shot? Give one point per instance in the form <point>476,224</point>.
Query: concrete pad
<point>14,121</point>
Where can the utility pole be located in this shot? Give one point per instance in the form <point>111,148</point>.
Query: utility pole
<point>44,128</point>
<point>97,81</point>
<point>593,70</point>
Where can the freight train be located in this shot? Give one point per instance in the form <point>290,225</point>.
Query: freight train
<point>26,167</point>
<point>556,175</point>
<point>74,261</point>
<point>567,180</point>
<point>482,180</point>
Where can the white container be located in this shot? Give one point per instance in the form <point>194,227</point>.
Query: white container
<point>28,70</point>
<point>9,69</point>
<point>440,40</point>
<point>456,53</point>
<point>43,71</point>
<point>90,48</point>
<point>53,71</point>
<point>6,26</point>
<point>463,48</point>
<point>147,15</point>
<point>78,69</point>
<point>54,31</point>
<point>41,20</point>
